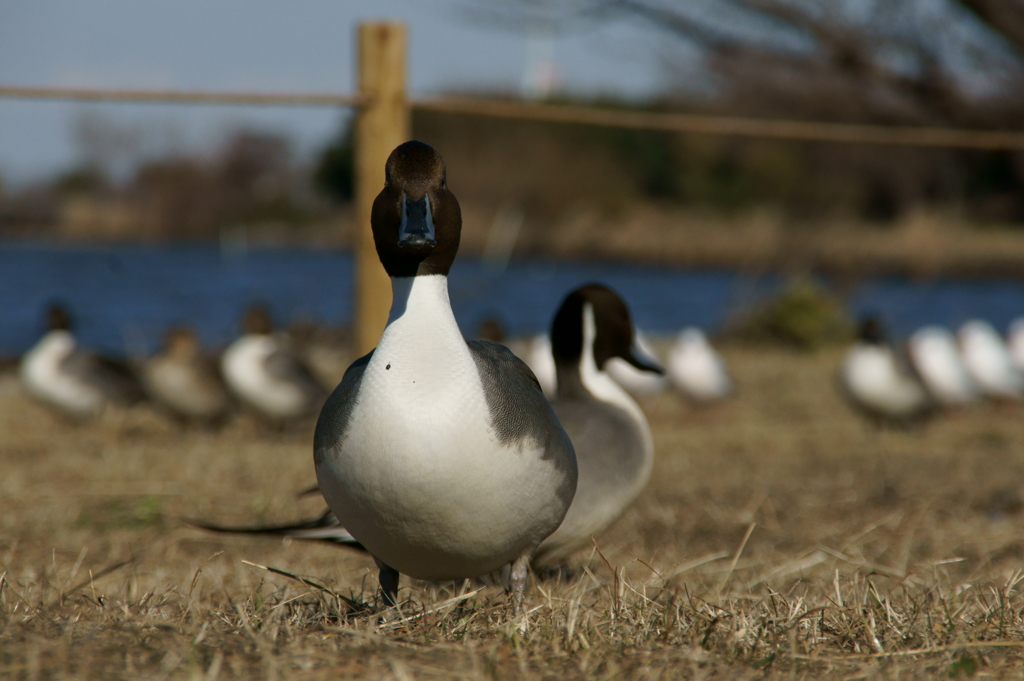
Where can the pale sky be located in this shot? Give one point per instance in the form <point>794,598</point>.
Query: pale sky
<point>262,45</point>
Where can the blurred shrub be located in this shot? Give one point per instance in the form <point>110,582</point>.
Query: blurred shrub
<point>649,158</point>
<point>801,315</point>
<point>251,180</point>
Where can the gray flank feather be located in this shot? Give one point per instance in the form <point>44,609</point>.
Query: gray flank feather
<point>332,426</point>
<point>519,410</point>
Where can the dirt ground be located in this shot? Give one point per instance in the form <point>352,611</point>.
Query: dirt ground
<point>780,536</point>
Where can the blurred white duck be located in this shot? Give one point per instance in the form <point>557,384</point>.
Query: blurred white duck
<point>878,382</point>
<point>637,382</point>
<point>941,368</point>
<point>695,369</point>
<point>76,382</point>
<point>989,362</point>
<point>542,362</point>
<point>266,375</point>
<point>184,381</point>
<point>1015,341</point>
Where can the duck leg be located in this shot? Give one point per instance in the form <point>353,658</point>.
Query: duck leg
<point>388,584</point>
<point>517,581</point>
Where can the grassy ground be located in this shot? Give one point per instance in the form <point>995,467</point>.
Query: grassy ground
<point>779,537</point>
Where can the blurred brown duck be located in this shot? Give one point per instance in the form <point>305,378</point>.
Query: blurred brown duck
<point>184,381</point>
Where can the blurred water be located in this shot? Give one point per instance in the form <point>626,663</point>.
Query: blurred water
<point>125,297</point>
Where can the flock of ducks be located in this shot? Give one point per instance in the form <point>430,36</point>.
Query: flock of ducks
<point>264,372</point>
<point>259,371</point>
<point>933,371</point>
<point>449,459</point>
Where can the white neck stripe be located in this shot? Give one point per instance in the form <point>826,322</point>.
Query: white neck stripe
<point>595,380</point>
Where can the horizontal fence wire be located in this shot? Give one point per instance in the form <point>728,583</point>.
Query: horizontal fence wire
<point>810,131</point>
<point>181,96</point>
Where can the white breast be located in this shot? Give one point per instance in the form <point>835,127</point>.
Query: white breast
<point>421,479</point>
<point>872,375</point>
<point>244,367</point>
<point>42,374</point>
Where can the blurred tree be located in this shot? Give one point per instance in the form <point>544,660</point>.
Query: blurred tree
<point>86,179</point>
<point>1005,16</point>
<point>888,60</point>
<point>920,62</point>
<point>178,196</point>
<point>253,177</point>
<point>250,180</point>
<point>112,147</point>
<point>650,158</point>
<point>334,174</point>
<point>253,165</point>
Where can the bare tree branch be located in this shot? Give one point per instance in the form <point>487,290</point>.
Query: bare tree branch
<point>1005,17</point>
<point>904,61</point>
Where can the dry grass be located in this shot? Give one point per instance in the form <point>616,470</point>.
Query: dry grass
<point>779,537</point>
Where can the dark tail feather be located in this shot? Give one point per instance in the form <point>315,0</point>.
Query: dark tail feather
<point>325,528</point>
<point>315,489</point>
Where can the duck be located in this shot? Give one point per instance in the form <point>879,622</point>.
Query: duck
<point>989,362</point>
<point>937,360</point>
<point>613,442</point>
<point>184,381</point>
<point>77,383</point>
<point>538,357</point>
<point>879,382</point>
<point>637,382</point>
<point>440,456</point>
<point>262,371</point>
<point>696,370</point>
<point>1015,342</point>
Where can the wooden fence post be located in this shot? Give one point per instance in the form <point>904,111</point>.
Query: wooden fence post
<point>382,124</point>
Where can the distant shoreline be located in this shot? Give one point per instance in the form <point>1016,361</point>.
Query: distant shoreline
<point>922,246</point>
<point>848,265</point>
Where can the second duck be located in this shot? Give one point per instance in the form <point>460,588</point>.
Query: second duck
<point>614,447</point>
